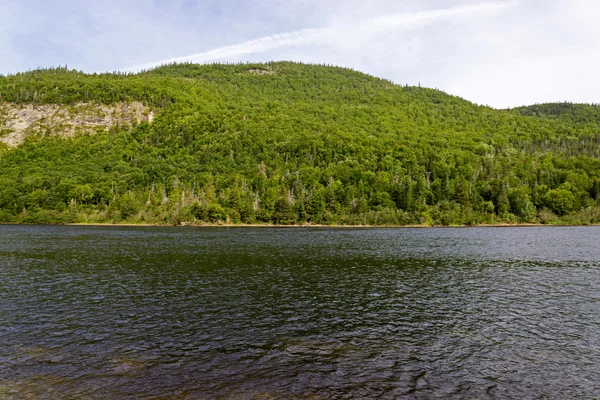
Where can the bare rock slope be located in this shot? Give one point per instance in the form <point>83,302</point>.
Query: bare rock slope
<point>18,121</point>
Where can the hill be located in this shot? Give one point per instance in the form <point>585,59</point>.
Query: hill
<point>285,143</point>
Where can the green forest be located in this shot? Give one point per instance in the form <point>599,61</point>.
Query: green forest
<point>289,143</point>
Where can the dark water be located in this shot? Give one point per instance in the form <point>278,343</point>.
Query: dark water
<point>157,313</point>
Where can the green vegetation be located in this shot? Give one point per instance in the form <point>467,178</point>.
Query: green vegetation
<point>290,143</point>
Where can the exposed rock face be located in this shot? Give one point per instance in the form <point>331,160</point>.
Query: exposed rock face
<point>17,121</point>
<point>261,72</point>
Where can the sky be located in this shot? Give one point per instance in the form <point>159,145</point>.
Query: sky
<point>502,53</point>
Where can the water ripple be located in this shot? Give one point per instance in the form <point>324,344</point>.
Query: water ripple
<point>160,313</point>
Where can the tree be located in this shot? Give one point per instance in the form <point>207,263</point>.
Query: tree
<point>83,193</point>
<point>560,201</point>
<point>521,205</point>
<point>283,212</point>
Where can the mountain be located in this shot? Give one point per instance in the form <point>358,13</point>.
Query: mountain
<point>285,143</point>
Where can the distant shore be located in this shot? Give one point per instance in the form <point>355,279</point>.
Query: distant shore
<point>501,225</point>
<point>315,226</point>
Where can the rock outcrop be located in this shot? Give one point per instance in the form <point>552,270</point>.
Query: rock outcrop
<point>18,121</point>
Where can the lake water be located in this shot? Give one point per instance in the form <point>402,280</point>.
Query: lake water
<point>244,313</point>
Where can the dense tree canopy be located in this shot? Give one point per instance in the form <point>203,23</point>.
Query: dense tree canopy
<point>291,143</point>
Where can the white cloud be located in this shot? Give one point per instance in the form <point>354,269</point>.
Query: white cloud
<point>259,45</point>
<point>338,35</point>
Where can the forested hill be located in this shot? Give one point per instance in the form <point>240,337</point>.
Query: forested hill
<point>575,113</point>
<point>285,143</point>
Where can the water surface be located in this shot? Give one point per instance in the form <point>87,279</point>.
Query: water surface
<point>155,313</point>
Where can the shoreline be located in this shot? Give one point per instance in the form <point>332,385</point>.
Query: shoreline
<point>313,226</point>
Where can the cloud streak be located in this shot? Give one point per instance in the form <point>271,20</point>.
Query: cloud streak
<point>334,34</point>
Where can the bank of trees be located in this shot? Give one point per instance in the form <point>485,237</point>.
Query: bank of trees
<point>290,143</point>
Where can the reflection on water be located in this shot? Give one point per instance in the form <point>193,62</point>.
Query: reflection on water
<point>88,312</point>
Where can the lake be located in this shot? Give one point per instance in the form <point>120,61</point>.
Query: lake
<point>280,313</point>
